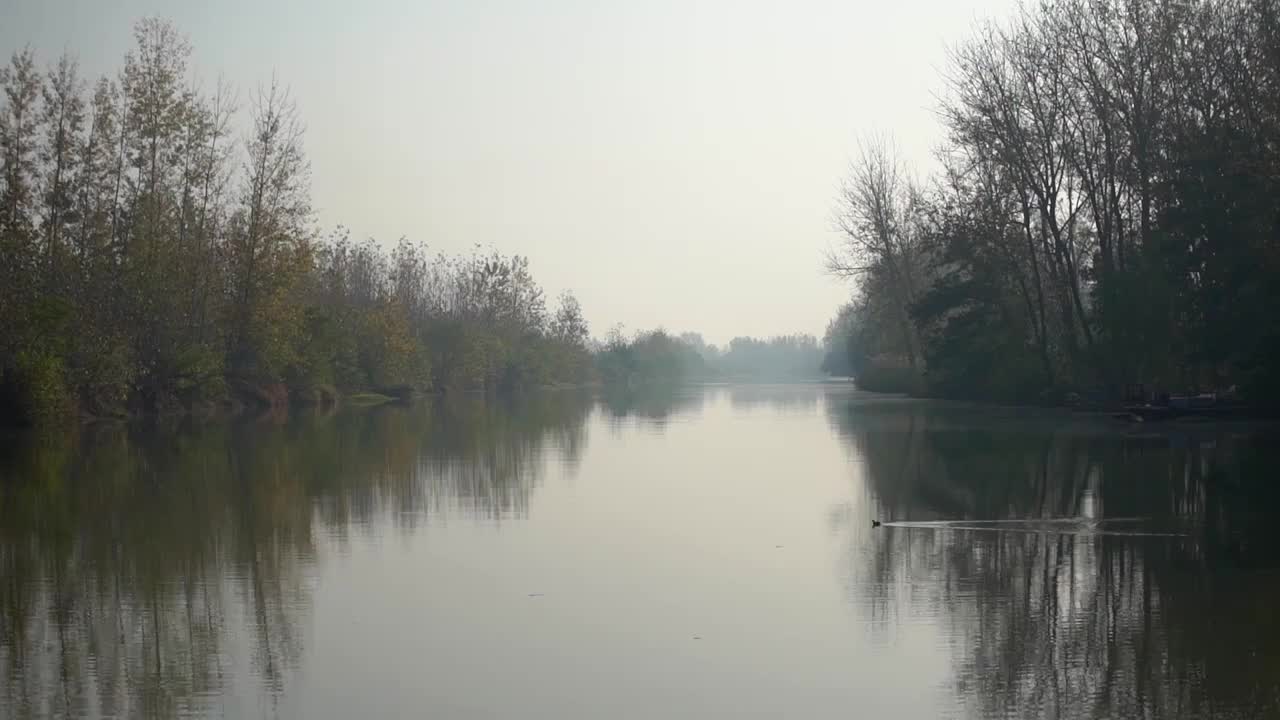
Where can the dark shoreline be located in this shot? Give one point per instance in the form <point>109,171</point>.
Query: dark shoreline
<point>258,403</point>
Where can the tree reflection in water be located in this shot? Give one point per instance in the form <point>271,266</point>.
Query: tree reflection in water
<point>651,406</point>
<point>781,398</point>
<point>1083,624</point>
<point>145,571</point>
<point>134,560</point>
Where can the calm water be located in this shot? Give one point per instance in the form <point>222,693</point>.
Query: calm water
<point>699,553</point>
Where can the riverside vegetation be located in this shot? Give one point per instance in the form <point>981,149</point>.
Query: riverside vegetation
<point>152,259</point>
<point>156,258</point>
<point>1105,214</point>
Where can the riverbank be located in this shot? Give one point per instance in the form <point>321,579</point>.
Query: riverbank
<point>248,399</point>
<point>1173,408</point>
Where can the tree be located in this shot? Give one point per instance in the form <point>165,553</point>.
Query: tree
<point>839,352</point>
<point>63,123</point>
<point>1105,210</point>
<point>148,262</point>
<point>878,214</point>
<point>269,237</point>
<point>569,325</point>
<point>19,138</point>
<point>32,325</point>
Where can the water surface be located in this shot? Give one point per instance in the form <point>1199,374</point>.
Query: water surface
<point>702,552</point>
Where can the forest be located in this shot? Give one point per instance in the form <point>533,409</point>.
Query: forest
<point>155,257</point>
<point>1104,218</point>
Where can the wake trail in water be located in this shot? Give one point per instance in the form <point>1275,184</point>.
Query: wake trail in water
<point>1016,521</point>
<point>1054,526</point>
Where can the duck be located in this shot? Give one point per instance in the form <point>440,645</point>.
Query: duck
<point>875,523</point>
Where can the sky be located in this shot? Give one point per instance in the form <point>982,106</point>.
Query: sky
<point>674,164</point>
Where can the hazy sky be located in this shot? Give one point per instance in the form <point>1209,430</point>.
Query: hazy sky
<point>673,164</point>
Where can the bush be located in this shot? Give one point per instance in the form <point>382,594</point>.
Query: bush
<point>883,377</point>
<point>35,388</point>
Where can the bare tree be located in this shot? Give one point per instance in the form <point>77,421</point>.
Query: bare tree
<point>878,214</point>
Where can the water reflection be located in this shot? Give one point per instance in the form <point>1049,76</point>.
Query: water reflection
<point>1053,624</point>
<point>778,398</point>
<point>654,406</point>
<point>135,561</point>
<point>243,569</point>
<point>651,406</point>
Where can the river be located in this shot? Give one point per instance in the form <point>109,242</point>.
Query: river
<point>688,553</point>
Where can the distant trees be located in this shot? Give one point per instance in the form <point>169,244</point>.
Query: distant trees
<point>647,358</point>
<point>572,336</point>
<point>1107,211</point>
<point>841,344</point>
<point>788,357</point>
<point>152,259</point>
<point>707,351</point>
<point>658,356</point>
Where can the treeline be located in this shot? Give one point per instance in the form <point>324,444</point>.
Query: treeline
<point>660,357</point>
<point>647,358</point>
<point>1108,213</point>
<point>785,357</point>
<point>154,256</point>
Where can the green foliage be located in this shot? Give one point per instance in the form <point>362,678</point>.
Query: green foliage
<point>101,370</point>
<point>198,373</point>
<point>149,261</point>
<point>368,399</point>
<point>36,388</point>
<point>388,354</point>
